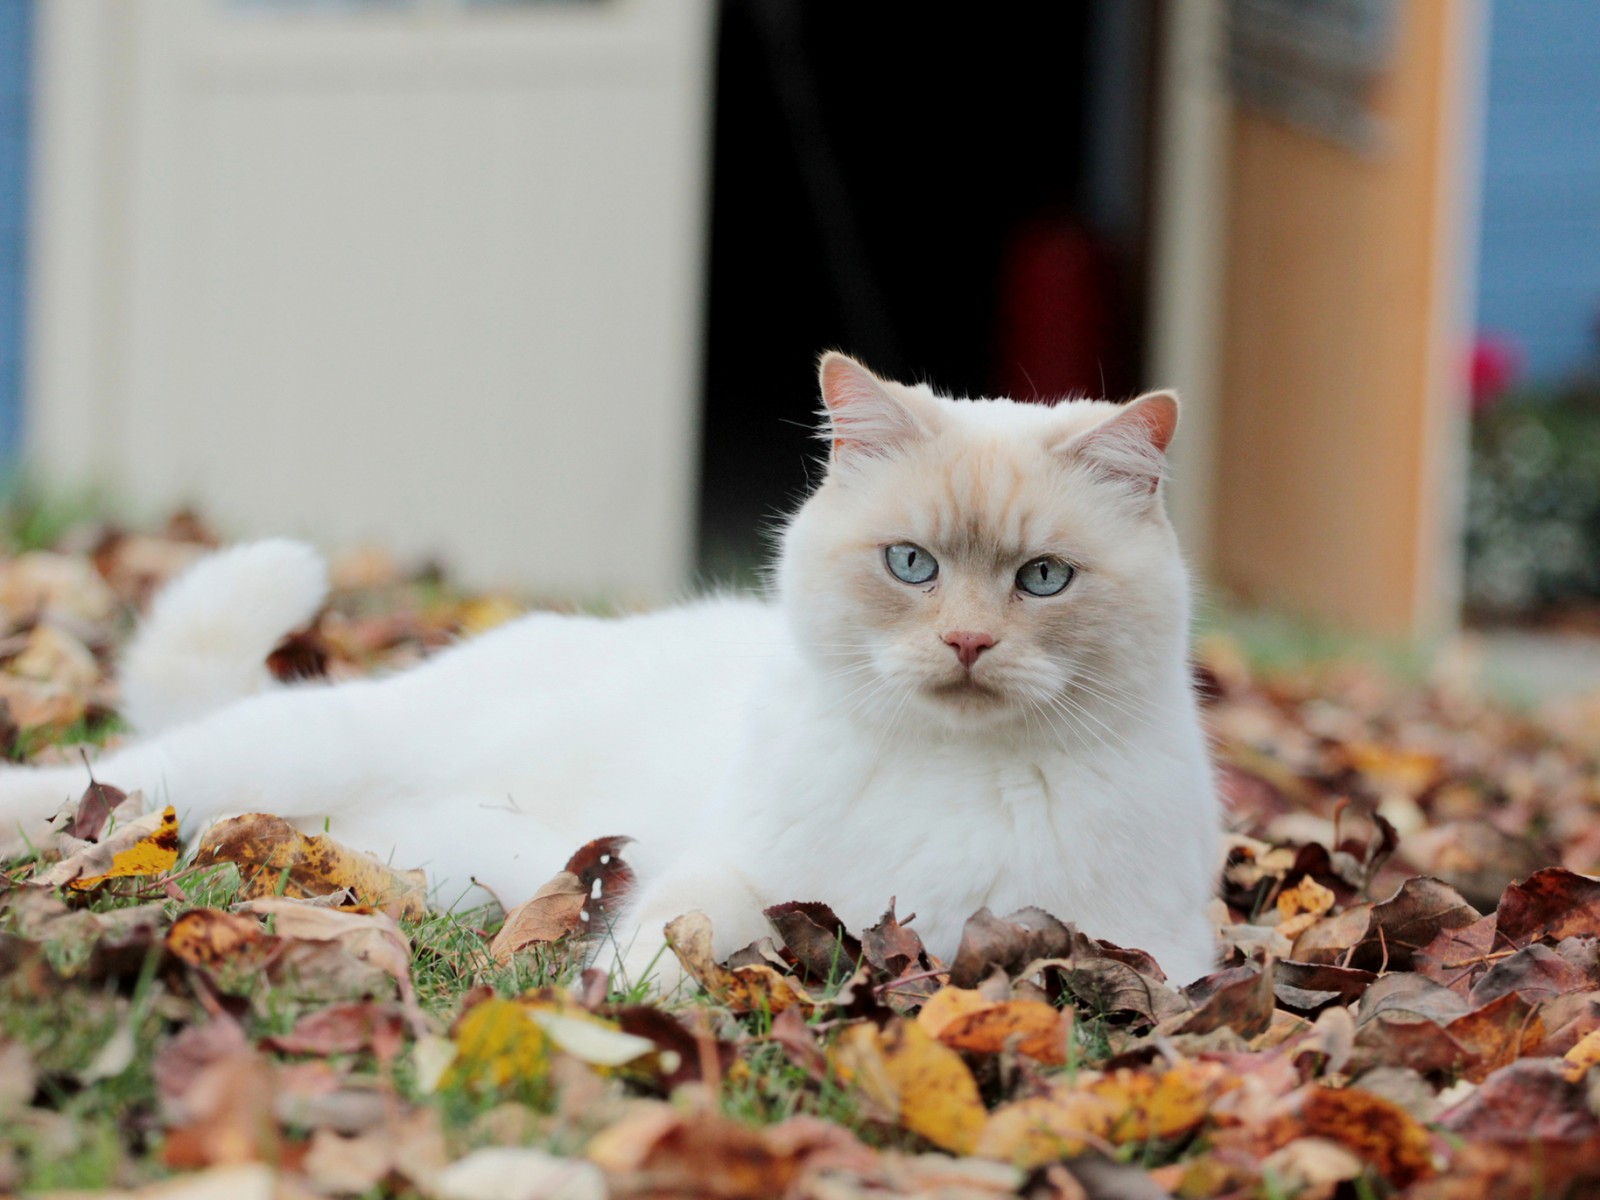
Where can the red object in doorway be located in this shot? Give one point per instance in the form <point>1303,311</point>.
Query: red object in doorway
<point>1059,324</point>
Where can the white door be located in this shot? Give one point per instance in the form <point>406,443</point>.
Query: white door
<point>426,272</point>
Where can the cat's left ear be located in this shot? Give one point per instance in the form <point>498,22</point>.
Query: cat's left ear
<point>1130,446</point>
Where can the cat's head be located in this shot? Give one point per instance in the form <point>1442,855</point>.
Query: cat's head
<point>984,562</point>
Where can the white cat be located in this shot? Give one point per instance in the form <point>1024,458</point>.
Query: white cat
<point>970,688</point>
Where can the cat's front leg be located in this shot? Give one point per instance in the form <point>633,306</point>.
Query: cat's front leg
<point>638,953</point>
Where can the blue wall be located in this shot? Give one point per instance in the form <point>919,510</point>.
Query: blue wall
<point>1539,260</point>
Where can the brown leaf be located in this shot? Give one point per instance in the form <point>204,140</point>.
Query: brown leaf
<point>600,863</point>
<point>1010,943</point>
<point>303,654</point>
<point>1237,998</point>
<point>1109,986</point>
<point>231,1116</point>
<point>817,939</point>
<point>550,914</point>
<point>584,896</point>
<point>346,1029</point>
<point>1554,903</point>
<point>181,1059</point>
<point>894,949</point>
<point>1333,939</point>
<point>1410,920</point>
<point>1536,973</point>
<point>1458,957</point>
<point>694,1154</point>
<point>276,859</point>
<point>1528,1100</point>
<point>789,1030</point>
<point>372,937</point>
<point>682,1055</point>
<point>95,807</point>
<point>1308,987</point>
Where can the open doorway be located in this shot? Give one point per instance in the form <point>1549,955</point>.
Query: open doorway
<point>960,201</point>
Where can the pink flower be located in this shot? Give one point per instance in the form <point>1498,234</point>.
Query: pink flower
<point>1496,363</point>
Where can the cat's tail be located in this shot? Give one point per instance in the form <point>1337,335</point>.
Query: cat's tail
<point>206,640</point>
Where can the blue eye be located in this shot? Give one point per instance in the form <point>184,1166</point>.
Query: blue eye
<point>1046,576</point>
<point>909,563</point>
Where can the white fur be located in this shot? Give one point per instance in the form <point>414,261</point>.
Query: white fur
<point>208,634</point>
<point>758,751</point>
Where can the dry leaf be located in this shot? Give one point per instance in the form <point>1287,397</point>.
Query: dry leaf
<point>146,845</point>
<point>276,859</point>
<point>965,1020</point>
<point>582,897</point>
<point>753,988</point>
<point>915,1079</point>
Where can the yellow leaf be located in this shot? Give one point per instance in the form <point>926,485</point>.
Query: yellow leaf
<point>754,988</point>
<point>923,1084</point>
<point>1307,896</point>
<point>1160,1106</point>
<point>1029,1133</point>
<point>1122,1107</point>
<point>275,858</point>
<point>485,612</point>
<point>146,845</point>
<point>497,1042</point>
<point>1584,1054</point>
<point>154,853</point>
<point>948,1003</point>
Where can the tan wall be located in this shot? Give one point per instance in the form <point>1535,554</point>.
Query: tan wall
<point>1343,348</point>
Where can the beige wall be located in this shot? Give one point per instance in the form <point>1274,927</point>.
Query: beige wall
<point>427,277</point>
<point>1342,357</point>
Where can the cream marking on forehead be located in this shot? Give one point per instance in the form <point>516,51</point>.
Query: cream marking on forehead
<point>981,513</point>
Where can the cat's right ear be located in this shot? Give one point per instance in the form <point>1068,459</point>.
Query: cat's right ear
<point>865,415</point>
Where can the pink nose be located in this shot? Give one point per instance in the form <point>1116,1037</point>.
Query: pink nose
<point>968,645</point>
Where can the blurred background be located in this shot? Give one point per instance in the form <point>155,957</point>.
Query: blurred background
<point>538,287</point>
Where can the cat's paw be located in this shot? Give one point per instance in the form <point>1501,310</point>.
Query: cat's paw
<point>650,967</point>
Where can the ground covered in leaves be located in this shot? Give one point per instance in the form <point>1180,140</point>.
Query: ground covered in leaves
<point>1408,1002</point>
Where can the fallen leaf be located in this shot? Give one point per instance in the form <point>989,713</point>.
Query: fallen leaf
<point>518,1173</point>
<point>348,1028</point>
<point>1009,944</point>
<point>964,1020</point>
<point>1380,1133</point>
<point>372,937</point>
<point>1527,1100</point>
<point>94,810</point>
<point>754,988</point>
<point>817,939</point>
<point>583,896</point>
<point>919,1082</point>
<point>550,914</point>
<point>208,937</point>
<point>147,845</point>
<point>1554,903</point>
<point>276,859</point>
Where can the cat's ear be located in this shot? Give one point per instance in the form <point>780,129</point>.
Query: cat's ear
<point>867,415</point>
<point>1130,447</point>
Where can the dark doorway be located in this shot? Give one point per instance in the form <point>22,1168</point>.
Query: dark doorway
<point>953,195</point>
